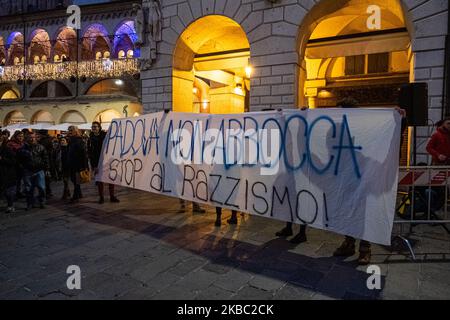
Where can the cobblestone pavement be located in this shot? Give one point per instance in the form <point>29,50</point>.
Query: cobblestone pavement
<point>146,248</point>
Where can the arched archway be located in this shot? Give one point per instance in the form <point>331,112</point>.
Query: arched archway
<point>9,92</point>
<point>44,117</point>
<point>40,47</point>
<point>125,37</point>
<point>15,48</point>
<point>14,117</point>
<point>73,117</point>
<point>111,87</point>
<point>107,116</point>
<point>95,41</point>
<point>66,44</point>
<point>51,89</point>
<point>211,67</point>
<point>341,57</point>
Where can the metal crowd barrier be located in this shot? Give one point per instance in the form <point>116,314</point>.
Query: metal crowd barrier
<point>422,198</point>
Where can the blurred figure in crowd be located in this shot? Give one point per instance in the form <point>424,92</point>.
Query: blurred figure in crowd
<point>439,145</point>
<point>77,160</point>
<point>34,160</point>
<point>7,173</point>
<point>46,141</point>
<point>65,168</point>
<point>95,146</point>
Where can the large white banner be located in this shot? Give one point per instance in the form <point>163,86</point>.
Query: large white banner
<point>333,169</point>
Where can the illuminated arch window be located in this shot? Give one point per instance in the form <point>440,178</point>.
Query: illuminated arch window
<point>336,45</point>
<point>40,44</point>
<point>130,54</point>
<point>9,95</point>
<point>42,117</point>
<point>56,58</point>
<point>95,39</point>
<point>106,55</point>
<point>14,117</point>
<point>73,117</point>
<point>212,54</point>
<point>124,39</point>
<point>36,59</point>
<point>15,48</point>
<point>107,116</point>
<point>121,54</point>
<point>66,44</point>
<point>98,56</point>
<point>111,87</point>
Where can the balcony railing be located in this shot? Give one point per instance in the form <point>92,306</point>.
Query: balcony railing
<point>65,70</point>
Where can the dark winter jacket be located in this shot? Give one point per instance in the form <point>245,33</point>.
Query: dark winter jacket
<point>440,145</point>
<point>95,147</point>
<point>65,160</point>
<point>33,158</point>
<point>7,167</point>
<point>76,154</point>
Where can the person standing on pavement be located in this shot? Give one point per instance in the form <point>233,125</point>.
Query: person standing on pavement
<point>77,160</point>
<point>34,160</point>
<point>46,141</point>
<point>95,146</point>
<point>7,173</point>
<point>348,246</point>
<point>65,169</point>
<point>15,144</point>
<point>439,145</point>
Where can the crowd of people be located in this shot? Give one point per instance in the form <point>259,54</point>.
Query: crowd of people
<point>31,161</point>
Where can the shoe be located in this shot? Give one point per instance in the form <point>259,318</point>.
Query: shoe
<point>114,200</point>
<point>101,200</point>
<point>232,221</point>
<point>286,232</point>
<point>299,238</point>
<point>218,223</point>
<point>364,257</point>
<point>347,249</point>
<point>10,210</point>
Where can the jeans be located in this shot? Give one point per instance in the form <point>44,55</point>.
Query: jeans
<point>32,181</point>
<point>76,185</point>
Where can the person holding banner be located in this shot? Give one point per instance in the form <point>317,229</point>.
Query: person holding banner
<point>95,145</point>
<point>233,220</point>
<point>439,145</point>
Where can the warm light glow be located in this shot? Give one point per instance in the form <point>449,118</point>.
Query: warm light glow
<point>325,94</point>
<point>205,105</point>
<point>248,71</point>
<point>238,90</point>
<point>107,64</point>
<point>195,90</point>
<point>65,70</point>
<point>119,82</point>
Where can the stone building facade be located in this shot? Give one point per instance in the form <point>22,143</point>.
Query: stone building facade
<point>279,35</point>
<point>52,73</point>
